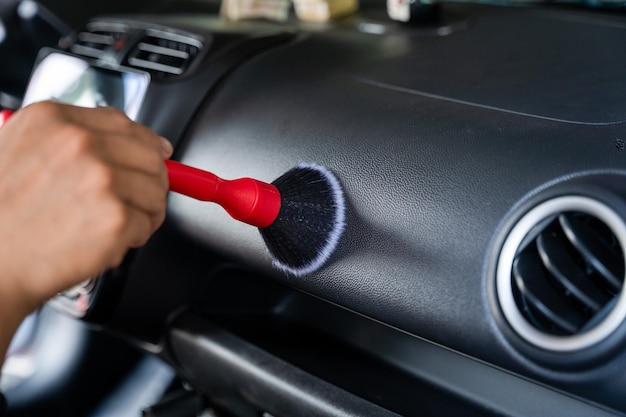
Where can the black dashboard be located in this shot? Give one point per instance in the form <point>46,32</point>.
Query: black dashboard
<point>482,158</point>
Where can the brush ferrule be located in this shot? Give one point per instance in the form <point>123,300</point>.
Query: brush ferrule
<point>249,200</point>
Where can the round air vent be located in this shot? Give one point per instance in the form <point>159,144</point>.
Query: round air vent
<point>560,274</point>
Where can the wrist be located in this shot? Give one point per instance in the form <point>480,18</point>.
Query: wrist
<point>13,310</point>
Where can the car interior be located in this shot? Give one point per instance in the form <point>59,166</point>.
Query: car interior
<point>479,148</point>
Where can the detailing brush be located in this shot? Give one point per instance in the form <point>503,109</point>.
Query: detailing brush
<point>300,216</point>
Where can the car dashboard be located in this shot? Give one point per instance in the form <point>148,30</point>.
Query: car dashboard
<point>482,159</point>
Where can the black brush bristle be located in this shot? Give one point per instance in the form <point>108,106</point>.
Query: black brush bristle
<point>310,222</point>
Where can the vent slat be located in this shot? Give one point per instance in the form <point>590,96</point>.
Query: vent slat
<point>87,51</point>
<point>96,39</point>
<point>163,50</point>
<point>164,54</point>
<point>600,254</point>
<point>534,286</point>
<point>150,64</point>
<point>564,268</point>
<point>559,274</point>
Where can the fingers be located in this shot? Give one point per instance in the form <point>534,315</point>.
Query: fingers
<point>126,151</point>
<point>141,193</point>
<point>98,121</point>
<point>116,228</point>
<point>103,132</point>
<point>117,124</point>
<point>125,161</point>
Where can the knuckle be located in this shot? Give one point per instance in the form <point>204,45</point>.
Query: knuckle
<point>115,220</point>
<point>119,259</point>
<point>118,118</point>
<point>154,163</point>
<point>157,198</point>
<point>74,140</point>
<point>140,240</point>
<point>116,259</point>
<point>44,108</point>
<point>162,204</point>
<point>158,220</point>
<point>42,112</point>
<point>101,177</point>
<point>156,213</point>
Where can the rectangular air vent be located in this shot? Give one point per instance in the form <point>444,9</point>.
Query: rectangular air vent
<point>97,37</point>
<point>164,53</point>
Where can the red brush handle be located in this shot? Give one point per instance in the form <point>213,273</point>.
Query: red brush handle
<point>4,116</point>
<point>245,199</point>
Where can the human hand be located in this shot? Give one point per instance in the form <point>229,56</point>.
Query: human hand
<point>78,188</point>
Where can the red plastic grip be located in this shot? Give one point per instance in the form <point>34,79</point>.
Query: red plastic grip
<point>245,199</point>
<point>4,116</point>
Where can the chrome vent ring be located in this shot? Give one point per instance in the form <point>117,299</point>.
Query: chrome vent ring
<point>560,274</point>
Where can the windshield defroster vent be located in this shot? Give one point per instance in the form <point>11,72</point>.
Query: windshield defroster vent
<point>561,272</point>
<point>164,53</point>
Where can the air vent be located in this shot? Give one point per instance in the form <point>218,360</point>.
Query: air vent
<point>560,274</point>
<point>97,38</point>
<point>164,53</point>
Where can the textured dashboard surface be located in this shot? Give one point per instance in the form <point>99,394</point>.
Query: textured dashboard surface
<point>436,139</point>
<point>439,141</point>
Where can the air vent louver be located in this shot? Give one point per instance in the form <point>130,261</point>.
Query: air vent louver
<point>97,38</point>
<point>561,273</point>
<point>566,275</point>
<point>164,53</point>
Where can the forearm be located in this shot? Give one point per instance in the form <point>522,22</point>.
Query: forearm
<point>12,313</point>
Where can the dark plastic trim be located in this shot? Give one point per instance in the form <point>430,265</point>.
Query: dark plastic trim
<point>247,380</point>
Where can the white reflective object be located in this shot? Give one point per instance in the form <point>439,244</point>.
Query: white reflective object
<point>68,79</point>
<point>27,9</point>
<point>399,10</point>
<point>3,32</point>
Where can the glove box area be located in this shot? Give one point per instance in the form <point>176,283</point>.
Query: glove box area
<point>254,346</point>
